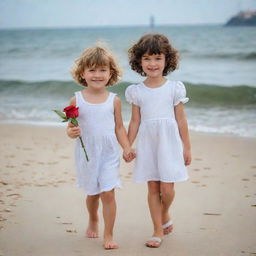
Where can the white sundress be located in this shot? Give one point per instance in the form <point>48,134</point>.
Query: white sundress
<point>97,126</point>
<point>159,147</point>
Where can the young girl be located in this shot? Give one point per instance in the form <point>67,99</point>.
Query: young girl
<point>163,147</point>
<point>101,126</point>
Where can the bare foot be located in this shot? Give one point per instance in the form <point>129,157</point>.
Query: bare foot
<point>92,230</point>
<point>110,244</point>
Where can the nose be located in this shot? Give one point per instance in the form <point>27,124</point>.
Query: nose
<point>97,73</point>
<point>152,62</point>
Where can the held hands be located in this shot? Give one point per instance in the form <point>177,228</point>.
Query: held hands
<point>129,154</point>
<point>187,156</point>
<point>73,131</point>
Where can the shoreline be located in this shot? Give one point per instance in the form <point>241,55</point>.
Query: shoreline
<point>59,125</point>
<point>39,199</point>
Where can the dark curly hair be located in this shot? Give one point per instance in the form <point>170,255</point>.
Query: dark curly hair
<point>153,44</point>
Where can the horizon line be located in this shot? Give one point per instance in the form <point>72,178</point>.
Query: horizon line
<point>111,26</point>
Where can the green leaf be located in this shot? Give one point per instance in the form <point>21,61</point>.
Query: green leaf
<point>65,120</point>
<point>74,121</point>
<point>60,114</point>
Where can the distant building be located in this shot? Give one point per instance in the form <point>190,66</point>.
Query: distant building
<point>152,22</point>
<point>247,18</point>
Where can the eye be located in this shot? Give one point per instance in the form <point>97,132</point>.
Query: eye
<point>158,56</point>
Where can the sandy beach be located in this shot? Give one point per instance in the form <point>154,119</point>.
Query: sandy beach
<point>43,213</point>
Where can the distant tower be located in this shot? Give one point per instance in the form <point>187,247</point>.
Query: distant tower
<point>152,22</point>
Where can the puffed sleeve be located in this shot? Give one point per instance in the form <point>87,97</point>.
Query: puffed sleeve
<point>180,94</point>
<point>131,94</point>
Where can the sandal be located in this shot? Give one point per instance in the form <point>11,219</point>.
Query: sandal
<point>157,242</point>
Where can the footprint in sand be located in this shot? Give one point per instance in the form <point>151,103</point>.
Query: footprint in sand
<point>196,170</point>
<point>7,210</point>
<point>198,159</point>
<point>207,168</point>
<point>71,230</point>
<point>235,156</point>
<point>15,195</point>
<point>61,181</point>
<point>10,166</point>
<point>195,182</point>
<point>10,156</point>
<point>2,218</point>
<point>212,214</point>
<point>245,179</point>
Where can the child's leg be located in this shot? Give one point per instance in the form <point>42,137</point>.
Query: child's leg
<point>154,202</point>
<point>109,215</point>
<point>92,203</point>
<point>167,196</point>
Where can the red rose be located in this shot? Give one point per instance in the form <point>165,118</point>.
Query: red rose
<point>71,111</point>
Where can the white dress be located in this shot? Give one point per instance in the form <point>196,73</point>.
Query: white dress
<point>97,126</point>
<point>159,147</point>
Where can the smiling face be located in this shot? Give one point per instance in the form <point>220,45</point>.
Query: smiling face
<point>153,65</point>
<point>97,77</point>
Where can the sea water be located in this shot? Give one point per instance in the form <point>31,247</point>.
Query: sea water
<point>217,66</point>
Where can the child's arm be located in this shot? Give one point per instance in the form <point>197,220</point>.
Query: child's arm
<point>183,129</point>
<point>73,131</point>
<point>120,131</point>
<point>134,123</point>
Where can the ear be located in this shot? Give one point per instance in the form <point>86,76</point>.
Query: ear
<point>82,75</point>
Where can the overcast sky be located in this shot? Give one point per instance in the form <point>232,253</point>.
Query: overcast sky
<point>81,13</point>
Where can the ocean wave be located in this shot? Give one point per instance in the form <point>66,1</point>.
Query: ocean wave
<point>199,94</point>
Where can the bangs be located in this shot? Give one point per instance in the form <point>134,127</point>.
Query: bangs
<point>151,46</point>
<point>97,58</point>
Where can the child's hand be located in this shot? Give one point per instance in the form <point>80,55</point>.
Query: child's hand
<point>73,131</point>
<point>129,155</point>
<point>187,156</point>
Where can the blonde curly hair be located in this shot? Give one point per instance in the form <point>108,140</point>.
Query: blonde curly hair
<point>92,57</point>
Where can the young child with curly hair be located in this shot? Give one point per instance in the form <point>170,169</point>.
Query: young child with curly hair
<point>158,118</point>
<point>101,128</point>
